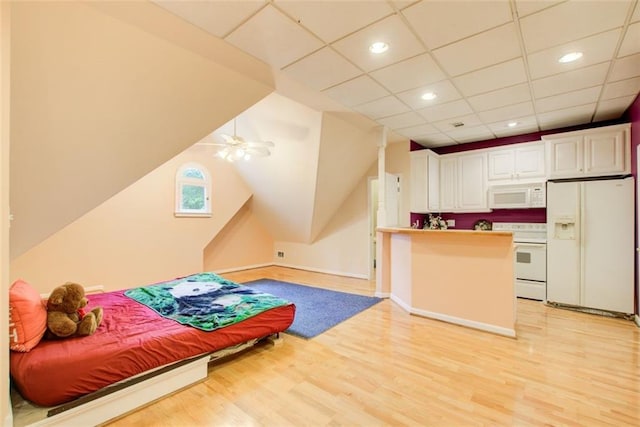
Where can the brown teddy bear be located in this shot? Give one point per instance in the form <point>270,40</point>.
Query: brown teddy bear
<point>65,316</point>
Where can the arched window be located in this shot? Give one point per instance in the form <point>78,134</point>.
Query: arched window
<point>193,191</point>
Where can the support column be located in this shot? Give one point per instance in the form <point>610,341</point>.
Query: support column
<point>382,262</point>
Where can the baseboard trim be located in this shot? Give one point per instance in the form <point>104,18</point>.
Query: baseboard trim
<point>404,305</point>
<point>244,267</point>
<point>87,290</point>
<point>511,333</point>
<point>383,294</point>
<point>320,270</point>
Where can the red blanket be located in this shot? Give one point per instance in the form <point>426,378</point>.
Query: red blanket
<point>131,339</point>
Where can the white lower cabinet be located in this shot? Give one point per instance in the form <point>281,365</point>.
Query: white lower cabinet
<point>463,181</point>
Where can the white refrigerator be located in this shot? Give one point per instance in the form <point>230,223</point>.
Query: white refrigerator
<point>590,244</point>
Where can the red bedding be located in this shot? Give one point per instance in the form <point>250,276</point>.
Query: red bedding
<point>131,339</point>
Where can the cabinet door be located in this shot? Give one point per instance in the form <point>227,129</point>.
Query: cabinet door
<point>472,192</point>
<point>433,185</point>
<point>604,153</point>
<point>419,177</point>
<point>529,162</point>
<point>501,164</point>
<point>565,157</point>
<point>448,183</point>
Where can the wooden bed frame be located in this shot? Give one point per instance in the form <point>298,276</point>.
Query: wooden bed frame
<point>124,397</point>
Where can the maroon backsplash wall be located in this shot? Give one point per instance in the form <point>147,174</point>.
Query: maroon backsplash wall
<point>465,221</point>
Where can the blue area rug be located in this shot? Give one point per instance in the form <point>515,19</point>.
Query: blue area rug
<point>316,309</point>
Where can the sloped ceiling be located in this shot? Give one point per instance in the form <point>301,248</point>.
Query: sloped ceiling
<point>98,102</point>
<point>317,160</point>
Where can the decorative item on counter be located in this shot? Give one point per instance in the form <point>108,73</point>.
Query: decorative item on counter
<point>483,225</point>
<point>416,224</point>
<point>435,223</point>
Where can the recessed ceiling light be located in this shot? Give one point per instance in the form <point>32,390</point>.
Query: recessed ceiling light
<point>570,57</point>
<point>429,96</point>
<point>378,47</point>
<point>512,124</point>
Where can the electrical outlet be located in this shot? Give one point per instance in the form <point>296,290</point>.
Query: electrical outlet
<point>451,223</point>
<point>280,254</point>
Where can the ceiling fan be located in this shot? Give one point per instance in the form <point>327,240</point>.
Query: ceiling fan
<point>235,147</point>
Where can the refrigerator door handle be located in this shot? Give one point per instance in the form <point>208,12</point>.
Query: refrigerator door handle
<point>580,240</point>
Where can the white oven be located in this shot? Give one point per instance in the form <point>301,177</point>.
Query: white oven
<point>531,270</point>
<point>530,258</point>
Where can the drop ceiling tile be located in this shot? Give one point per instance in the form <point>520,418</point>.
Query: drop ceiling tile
<point>441,22</point>
<point>444,90</point>
<point>571,80</point>
<point>416,131</point>
<point>445,111</point>
<point>631,41</point>
<point>322,69</point>
<point>357,91</point>
<point>217,18</point>
<point>636,14</point>
<point>402,44</point>
<point>435,140</point>
<point>527,7</point>
<point>383,107</point>
<point>501,97</point>
<point>625,68</point>
<point>403,120</point>
<point>569,99</point>
<point>611,109</point>
<point>629,87</point>
<point>507,112</point>
<point>492,78</point>
<point>482,50</point>
<point>273,38</point>
<point>337,20</point>
<point>478,133</point>
<point>595,49</point>
<point>566,117</point>
<point>524,125</point>
<point>409,74</point>
<point>571,20</point>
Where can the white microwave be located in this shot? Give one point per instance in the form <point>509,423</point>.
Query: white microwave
<point>518,196</point>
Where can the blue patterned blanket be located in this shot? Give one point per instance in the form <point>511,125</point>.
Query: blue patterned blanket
<point>205,301</point>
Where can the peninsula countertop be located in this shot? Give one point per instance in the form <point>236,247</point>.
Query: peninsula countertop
<point>409,230</point>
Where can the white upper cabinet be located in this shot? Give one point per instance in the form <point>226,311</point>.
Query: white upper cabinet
<point>425,181</point>
<point>517,164</point>
<point>589,153</point>
<point>463,183</point>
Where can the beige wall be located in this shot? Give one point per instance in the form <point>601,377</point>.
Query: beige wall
<point>243,242</point>
<point>98,103</point>
<point>343,245</point>
<point>133,238</point>
<point>5,27</point>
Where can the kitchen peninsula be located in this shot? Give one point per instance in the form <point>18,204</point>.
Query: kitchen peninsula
<point>458,276</point>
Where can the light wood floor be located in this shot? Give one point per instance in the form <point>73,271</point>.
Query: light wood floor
<point>386,367</point>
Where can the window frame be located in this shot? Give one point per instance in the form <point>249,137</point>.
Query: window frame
<point>181,181</point>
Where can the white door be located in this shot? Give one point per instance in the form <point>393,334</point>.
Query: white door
<point>563,243</point>
<point>392,199</point>
<point>608,243</point>
<point>604,153</point>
